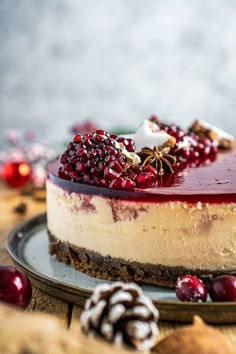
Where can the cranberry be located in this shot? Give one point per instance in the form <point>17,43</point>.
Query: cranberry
<point>223,288</point>
<point>15,287</point>
<point>190,288</point>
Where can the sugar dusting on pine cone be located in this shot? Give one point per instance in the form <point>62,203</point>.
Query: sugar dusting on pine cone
<point>121,313</point>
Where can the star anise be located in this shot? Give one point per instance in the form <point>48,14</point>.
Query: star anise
<point>158,157</point>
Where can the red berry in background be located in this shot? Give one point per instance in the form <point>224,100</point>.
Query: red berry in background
<point>16,174</point>
<point>15,287</point>
<point>190,288</point>
<point>223,288</point>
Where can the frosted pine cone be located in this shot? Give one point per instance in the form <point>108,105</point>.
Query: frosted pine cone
<point>121,313</point>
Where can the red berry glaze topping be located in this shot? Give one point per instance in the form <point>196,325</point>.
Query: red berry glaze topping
<point>106,160</point>
<point>191,289</point>
<point>15,287</point>
<point>223,288</point>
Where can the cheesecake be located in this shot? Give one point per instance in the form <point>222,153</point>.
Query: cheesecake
<point>179,219</point>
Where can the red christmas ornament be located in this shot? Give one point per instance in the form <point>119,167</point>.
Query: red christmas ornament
<point>16,174</point>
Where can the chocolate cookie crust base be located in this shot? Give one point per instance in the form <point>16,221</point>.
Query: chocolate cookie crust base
<point>106,267</point>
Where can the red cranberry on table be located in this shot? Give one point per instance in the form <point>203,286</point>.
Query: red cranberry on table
<point>15,287</point>
<point>223,288</point>
<point>191,289</point>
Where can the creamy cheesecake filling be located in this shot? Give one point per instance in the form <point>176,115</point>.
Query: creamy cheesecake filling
<point>174,234</point>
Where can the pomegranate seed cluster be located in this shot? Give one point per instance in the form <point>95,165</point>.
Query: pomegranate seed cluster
<point>106,160</point>
<point>189,146</point>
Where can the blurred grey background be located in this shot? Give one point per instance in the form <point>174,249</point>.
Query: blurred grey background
<point>117,62</point>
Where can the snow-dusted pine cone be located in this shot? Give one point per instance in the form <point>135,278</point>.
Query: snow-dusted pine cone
<point>121,313</point>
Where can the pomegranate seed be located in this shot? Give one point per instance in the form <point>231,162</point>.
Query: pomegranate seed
<point>101,153</point>
<point>68,167</point>
<point>95,172</point>
<point>71,152</point>
<point>121,161</point>
<point>97,138</point>
<point>194,154</point>
<point>130,148</point>
<point>223,288</point>
<point>101,165</point>
<point>141,178</point>
<point>116,183</point>
<point>90,163</point>
<point>109,142</point>
<point>137,169</point>
<point>70,146</point>
<point>101,132</point>
<point>190,288</point>
<point>73,160</point>
<point>86,178</point>
<point>73,174</point>
<point>80,167</point>
<point>110,173</point>
<point>116,166</point>
<point>77,139</point>
<point>109,148</point>
<point>128,184</point>
<point>150,169</point>
<point>116,153</point>
<point>91,154</point>
<point>81,152</point>
<point>63,158</point>
<point>132,175</point>
<point>109,158</point>
<point>87,142</point>
<point>105,182</point>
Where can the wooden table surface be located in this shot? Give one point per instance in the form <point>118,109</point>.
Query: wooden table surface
<point>67,313</point>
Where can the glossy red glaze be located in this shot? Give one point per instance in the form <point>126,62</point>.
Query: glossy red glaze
<point>213,182</point>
